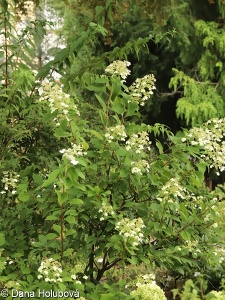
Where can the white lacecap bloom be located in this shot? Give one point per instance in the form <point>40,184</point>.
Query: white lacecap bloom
<point>117,133</point>
<point>10,181</point>
<point>50,270</point>
<point>106,210</point>
<point>131,230</point>
<point>142,89</point>
<point>140,167</point>
<point>138,142</point>
<point>119,67</point>
<point>58,101</point>
<point>72,153</point>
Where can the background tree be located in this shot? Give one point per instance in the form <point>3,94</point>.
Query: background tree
<point>190,63</point>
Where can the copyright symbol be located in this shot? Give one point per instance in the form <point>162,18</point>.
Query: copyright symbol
<point>4,293</point>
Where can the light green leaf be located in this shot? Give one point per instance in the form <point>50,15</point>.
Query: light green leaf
<point>57,228</point>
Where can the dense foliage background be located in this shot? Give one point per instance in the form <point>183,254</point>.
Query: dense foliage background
<point>112,119</point>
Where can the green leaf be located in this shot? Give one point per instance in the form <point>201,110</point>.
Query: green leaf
<point>25,270</point>
<point>70,219</point>
<point>107,297</point>
<point>57,228</point>
<point>30,279</point>
<point>96,134</point>
<point>59,132</point>
<point>160,147</point>
<point>17,255</point>
<point>202,167</point>
<point>42,238</point>
<point>101,101</point>
<point>4,6</point>
<point>51,236</point>
<point>68,252</point>
<point>118,106</point>
<point>72,174</point>
<point>99,10</point>
<point>80,174</point>
<point>75,129</point>
<point>185,235</point>
<point>37,179</point>
<point>97,88</point>
<point>76,201</point>
<point>102,117</point>
<point>2,239</point>
<point>23,196</point>
<point>180,270</point>
<point>52,218</point>
<point>62,197</point>
<point>52,177</point>
<point>62,55</point>
<point>132,108</point>
<point>70,232</point>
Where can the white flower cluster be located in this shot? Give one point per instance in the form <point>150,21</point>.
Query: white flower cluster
<point>172,190</point>
<point>140,167</point>
<point>57,100</point>
<point>10,182</point>
<point>78,268</point>
<point>138,142</point>
<point>72,153</point>
<point>220,253</point>
<point>119,67</point>
<point>131,230</point>
<point>106,211</point>
<point>147,278</point>
<point>8,261</point>
<point>211,137</point>
<point>148,289</point>
<point>74,277</point>
<point>116,133</point>
<point>50,270</point>
<point>193,247</point>
<point>142,89</point>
